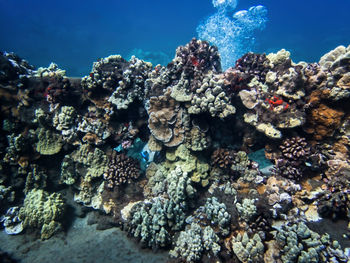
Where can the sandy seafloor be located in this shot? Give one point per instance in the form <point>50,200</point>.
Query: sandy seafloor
<point>88,238</point>
<point>82,243</point>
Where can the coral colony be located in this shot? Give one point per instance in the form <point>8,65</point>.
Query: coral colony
<point>238,165</point>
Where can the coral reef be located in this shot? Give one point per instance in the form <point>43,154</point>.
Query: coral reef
<point>222,158</point>
<point>236,166</point>
<point>90,158</point>
<point>151,221</point>
<point>49,143</point>
<point>188,162</point>
<point>323,121</point>
<point>12,223</point>
<point>276,93</point>
<point>65,121</point>
<point>246,209</point>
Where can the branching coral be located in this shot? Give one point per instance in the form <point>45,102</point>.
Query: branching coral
<point>121,170</point>
<point>151,221</point>
<point>248,249</point>
<point>222,158</point>
<point>295,152</point>
<point>297,243</point>
<point>217,215</point>
<point>194,241</point>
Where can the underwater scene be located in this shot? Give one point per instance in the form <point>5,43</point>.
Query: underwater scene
<point>175,131</point>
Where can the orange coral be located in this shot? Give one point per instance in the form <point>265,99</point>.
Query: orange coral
<point>92,139</point>
<point>323,121</point>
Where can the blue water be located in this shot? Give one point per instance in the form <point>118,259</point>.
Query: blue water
<point>75,33</point>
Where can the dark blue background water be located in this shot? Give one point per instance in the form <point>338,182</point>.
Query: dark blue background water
<point>76,33</point>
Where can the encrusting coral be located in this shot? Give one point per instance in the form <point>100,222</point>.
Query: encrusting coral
<point>274,98</point>
<point>49,142</point>
<point>195,166</point>
<point>44,211</point>
<point>167,120</point>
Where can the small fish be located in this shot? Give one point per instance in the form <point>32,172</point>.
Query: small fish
<point>145,155</point>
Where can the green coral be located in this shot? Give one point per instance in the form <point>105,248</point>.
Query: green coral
<point>7,125</point>
<point>92,159</point>
<point>43,211</point>
<point>42,118</point>
<point>298,243</point>
<point>17,144</point>
<point>68,174</point>
<point>196,140</point>
<point>49,143</point>
<point>247,209</point>
<point>36,178</point>
<point>217,215</point>
<point>196,167</point>
<point>248,249</point>
<point>150,221</point>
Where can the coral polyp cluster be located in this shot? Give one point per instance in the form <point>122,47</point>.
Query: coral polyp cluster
<point>243,165</point>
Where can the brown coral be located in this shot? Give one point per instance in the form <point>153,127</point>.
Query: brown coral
<point>166,120</point>
<point>121,170</point>
<point>295,148</point>
<point>295,151</point>
<point>323,121</point>
<point>222,158</point>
